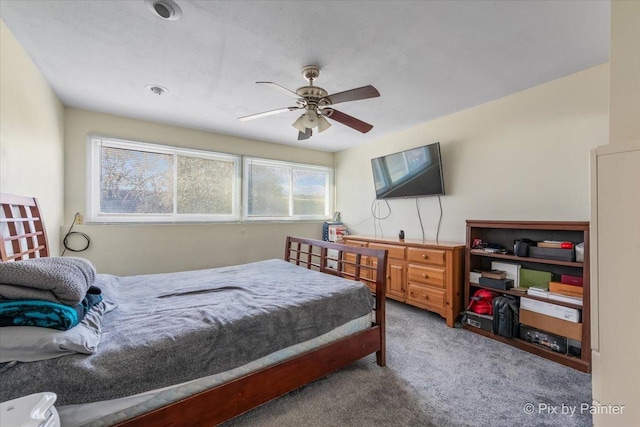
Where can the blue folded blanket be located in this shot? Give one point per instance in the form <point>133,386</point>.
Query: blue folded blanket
<point>47,314</point>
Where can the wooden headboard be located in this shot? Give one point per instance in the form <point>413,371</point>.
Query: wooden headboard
<point>21,228</point>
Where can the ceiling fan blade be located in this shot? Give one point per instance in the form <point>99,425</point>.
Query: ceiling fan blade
<point>280,89</point>
<point>348,120</point>
<point>267,113</point>
<point>304,135</point>
<point>363,92</point>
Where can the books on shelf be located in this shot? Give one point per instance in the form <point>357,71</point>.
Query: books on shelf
<point>494,274</point>
<point>564,289</point>
<point>565,298</point>
<point>538,292</point>
<point>543,293</point>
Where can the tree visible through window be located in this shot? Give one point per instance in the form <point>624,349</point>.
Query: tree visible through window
<point>282,190</point>
<point>133,181</point>
<point>139,182</point>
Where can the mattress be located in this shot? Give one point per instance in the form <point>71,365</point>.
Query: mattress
<point>106,413</point>
<point>177,328</point>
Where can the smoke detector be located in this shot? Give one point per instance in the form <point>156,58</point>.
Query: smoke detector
<point>165,9</point>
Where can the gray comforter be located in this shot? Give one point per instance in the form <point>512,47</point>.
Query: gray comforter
<point>171,328</point>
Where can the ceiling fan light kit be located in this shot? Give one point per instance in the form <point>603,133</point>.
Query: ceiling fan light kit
<point>315,101</point>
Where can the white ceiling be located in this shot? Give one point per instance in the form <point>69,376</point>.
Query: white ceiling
<point>428,59</point>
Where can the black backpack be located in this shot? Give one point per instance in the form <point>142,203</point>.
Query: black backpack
<point>506,319</point>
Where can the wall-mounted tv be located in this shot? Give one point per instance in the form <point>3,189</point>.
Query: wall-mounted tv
<point>411,173</point>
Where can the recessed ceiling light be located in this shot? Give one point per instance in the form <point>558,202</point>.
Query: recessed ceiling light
<point>157,90</point>
<point>165,9</point>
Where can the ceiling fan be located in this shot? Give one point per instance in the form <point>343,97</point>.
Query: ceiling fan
<point>317,105</point>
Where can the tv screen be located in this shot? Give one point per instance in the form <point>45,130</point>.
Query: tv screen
<point>412,173</point>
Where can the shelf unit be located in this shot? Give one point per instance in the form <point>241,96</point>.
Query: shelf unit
<point>504,233</point>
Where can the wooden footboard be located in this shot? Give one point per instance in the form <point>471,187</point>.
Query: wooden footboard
<point>228,400</point>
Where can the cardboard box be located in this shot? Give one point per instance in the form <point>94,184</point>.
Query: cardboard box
<point>571,280</point>
<point>481,321</point>
<point>501,284</point>
<point>549,309</point>
<point>561,288</point>
<point>553,342</point>
<point>551,324</point>
<point>552,253</point>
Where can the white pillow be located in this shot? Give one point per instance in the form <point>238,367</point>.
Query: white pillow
<point>31,343</point>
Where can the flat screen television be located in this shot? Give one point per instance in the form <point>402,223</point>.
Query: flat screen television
<point>411,173</point>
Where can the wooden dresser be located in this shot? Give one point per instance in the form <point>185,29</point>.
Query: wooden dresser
<point>428,275</point>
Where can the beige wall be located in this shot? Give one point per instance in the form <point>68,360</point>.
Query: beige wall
<point>615,212</point>
<point>31,134</point>
<point>525,156</point>
<point>625,71</point>
<point>137,249</point>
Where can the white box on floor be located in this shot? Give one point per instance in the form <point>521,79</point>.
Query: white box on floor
<point>553,310</point>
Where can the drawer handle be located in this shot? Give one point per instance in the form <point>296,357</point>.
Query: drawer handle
<point>424,275</point>
<point>426,296</point>
<point>424,256</point>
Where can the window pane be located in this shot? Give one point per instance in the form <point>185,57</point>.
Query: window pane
<point>309,192</point>
<point>269,189</point>
<point>205,186</point>
<point>135,182</point>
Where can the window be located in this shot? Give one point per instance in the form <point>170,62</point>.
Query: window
<point>286,191</point>
<point>137,182</point>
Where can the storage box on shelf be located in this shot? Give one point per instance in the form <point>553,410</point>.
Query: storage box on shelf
<point>424,274</point>
<point>575,329</point>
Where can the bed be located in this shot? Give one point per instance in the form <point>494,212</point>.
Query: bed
<point>235,386</point>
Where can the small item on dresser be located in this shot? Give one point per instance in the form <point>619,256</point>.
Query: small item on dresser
<point>401,235</point>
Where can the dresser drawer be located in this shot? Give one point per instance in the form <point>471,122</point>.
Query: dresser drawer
<point>426,256</point>
<point>393,251</point>
<point>426,296</point>
<point>432,276</point>
<point>355,243</point>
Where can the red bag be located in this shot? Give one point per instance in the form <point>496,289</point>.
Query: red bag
<point>482,302</point>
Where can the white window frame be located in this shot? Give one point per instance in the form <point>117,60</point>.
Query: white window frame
<point>329,192</point>
<point>94,143</point>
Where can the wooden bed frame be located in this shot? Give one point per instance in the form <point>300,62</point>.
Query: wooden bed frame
<point>23,237</point>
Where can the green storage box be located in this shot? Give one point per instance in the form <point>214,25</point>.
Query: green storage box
<point>539,279</point>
